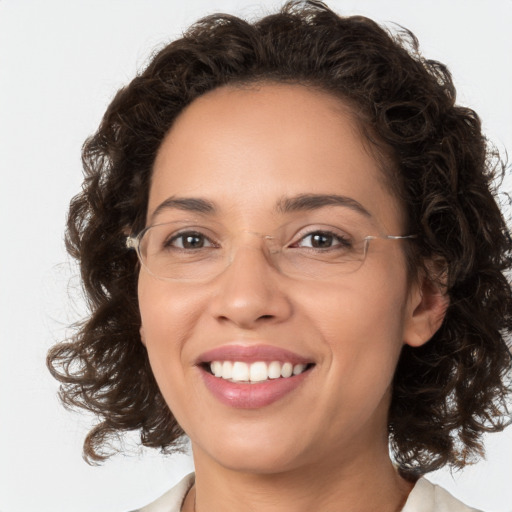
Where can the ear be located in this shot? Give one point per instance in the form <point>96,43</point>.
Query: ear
<point>142,335</point>
<point>428,302</point>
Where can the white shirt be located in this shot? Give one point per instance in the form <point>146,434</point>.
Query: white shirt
<point>424,497</point>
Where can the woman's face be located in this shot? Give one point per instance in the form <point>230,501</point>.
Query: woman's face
<point>254,159</point>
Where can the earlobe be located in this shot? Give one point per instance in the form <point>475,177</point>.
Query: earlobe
<point>427,309</point>
<point>142,335</point>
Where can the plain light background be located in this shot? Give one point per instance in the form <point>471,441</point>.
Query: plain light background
<point>60,65</point>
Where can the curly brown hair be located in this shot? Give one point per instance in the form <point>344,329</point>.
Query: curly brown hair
<point>447,392</point>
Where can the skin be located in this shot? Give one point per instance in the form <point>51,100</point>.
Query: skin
<point>324,446</point>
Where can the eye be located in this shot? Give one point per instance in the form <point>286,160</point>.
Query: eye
<point>189,240</point>
<point>323,240</point>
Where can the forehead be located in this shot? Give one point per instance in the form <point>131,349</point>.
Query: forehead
<point>245,148</point>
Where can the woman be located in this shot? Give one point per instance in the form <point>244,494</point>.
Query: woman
<point>293,254</point>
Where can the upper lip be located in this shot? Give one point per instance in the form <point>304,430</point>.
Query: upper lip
<point>251,354</point>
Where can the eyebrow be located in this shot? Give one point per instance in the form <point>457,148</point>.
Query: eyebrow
<point>304,202</point>
<point>301,202</point>
<point>188,204</point>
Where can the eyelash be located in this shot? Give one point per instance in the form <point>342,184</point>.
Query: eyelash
<point>342,240</point>
<point>169,243</point>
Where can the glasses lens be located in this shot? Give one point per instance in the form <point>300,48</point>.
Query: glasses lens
<point>172,251</point>
<point>179,252</point>
<point>322,262</point>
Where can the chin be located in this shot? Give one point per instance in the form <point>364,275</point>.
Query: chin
<point>260,454</point>
<point>258,462</point>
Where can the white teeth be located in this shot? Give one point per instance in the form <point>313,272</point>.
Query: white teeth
<point>240,371</point>
<point>227,369</point>
<point>259,371</point>
<point>274,370</point>
<point>216,368</point>
<point>298,369</point>
<point>287,370</point>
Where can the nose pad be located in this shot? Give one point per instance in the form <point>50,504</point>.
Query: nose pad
<point>249,289</point>
<point>261,244</point>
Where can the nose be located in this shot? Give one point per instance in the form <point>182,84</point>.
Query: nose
<point>251,292</point>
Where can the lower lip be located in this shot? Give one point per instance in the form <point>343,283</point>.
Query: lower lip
<point>251,396</point>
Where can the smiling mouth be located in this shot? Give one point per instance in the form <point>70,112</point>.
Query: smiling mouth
<point>259,371</point>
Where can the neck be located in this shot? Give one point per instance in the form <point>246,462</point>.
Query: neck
<point>368,484</point>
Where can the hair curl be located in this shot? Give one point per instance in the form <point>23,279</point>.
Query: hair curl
<point>447,392</point>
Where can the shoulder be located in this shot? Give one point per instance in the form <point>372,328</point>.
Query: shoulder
<point>172,500</point>
<point>428,497</point>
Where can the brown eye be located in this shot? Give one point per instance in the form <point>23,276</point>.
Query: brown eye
<point>323,240</point>
<point>191,240</point>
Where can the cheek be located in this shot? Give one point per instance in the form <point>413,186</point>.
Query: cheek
<point>358,312</point>
<point>166,312</point>
<point>362,327</point>
<point>361,332</point>
<point>168,317</point>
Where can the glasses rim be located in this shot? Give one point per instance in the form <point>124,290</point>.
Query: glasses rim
<point>134,242</point>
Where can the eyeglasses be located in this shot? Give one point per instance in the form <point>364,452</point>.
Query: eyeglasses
<point>186,251</point>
